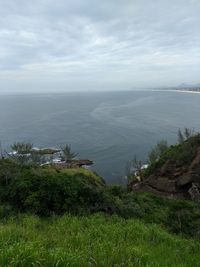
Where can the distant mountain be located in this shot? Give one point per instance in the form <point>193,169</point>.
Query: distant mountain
<point>185,85</point>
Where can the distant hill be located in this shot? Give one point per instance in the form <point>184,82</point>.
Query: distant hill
<point>185,85</point>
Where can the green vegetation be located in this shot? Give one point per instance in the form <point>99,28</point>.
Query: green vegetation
<point>24,154</point>
<point>157,151</point>
<point>68,154</point>
<point>182,154</point>
<point>22,148</point>
<point>177,216</point>
<point>134,167</point>
<point>58,216</point>
<point>47,190</point>
<point>92,241</point>
<point>185,134</point>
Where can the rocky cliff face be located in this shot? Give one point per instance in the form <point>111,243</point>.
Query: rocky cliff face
<point>176,173</point>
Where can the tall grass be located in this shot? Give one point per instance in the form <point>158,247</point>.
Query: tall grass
<point>92,241</point>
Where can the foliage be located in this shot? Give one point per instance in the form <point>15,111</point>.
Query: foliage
<point>68,154</point>
<point>185,134</point>
<point>180,136</point>
<point>24,154</point>
<point>2,153</point>
<point>22,148</point>
<point>133,167</point>
<point>96,240</point>
<point>157,151</point>
<point>131,229</point>
<point>47,191</point>
<point>182,154</point>
<point>178,216</point>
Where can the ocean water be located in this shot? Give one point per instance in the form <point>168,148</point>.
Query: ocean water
<point>109,128</point>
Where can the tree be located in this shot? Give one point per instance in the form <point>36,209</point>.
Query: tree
<point>188,133</point>
<point>21,153</point>
<point>180,136</point>
<point>2,153</point>
<point>185,134</point>
<point>67,152</point>
<point>133,168</point>
<point>22,148</point>
<point>157,151</point>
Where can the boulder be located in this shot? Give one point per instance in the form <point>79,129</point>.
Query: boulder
<point>162,184</point>
<point>184,180</point>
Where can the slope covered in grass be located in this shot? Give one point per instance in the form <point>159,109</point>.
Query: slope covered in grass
<point>92,241</point>
<point>49,191</point>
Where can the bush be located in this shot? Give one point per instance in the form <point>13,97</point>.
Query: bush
<point>6,211</point>
<point>157,151</point>
<point>43,191</point>
<point>47,191</point>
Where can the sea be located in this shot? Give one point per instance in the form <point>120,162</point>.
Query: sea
<point>110,128</point>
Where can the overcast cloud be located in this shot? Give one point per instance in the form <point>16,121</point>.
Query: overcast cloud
<point>65,45</point>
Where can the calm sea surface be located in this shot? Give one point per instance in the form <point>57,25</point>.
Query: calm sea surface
<point>109,128</point>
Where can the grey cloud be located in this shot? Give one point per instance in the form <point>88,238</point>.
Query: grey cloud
<point>92,44</point>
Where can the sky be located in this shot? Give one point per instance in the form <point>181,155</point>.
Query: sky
<point>94,45</point>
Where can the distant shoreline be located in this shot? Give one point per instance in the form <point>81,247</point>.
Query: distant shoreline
<point>45,94</point>
<point>178,90</point>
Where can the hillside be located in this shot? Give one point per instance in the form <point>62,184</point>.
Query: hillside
<point>47,190</point>
<point>52,216</point>
<point>176,173</point>
<point>92,241</point>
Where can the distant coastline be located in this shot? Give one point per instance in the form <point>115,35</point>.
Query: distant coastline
<point>181,90</point>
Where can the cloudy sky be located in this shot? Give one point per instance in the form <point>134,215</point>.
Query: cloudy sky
<point>74,45</point>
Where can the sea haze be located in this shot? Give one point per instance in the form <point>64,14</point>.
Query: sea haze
<point>109,128</point>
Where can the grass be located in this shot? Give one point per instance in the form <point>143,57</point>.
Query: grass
<point>93,177</point>
<point>96,240</point>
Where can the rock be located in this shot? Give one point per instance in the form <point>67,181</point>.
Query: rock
<point>177,174</point>
<point>162,184</point>
<point>80,162</point>
<point>184,180</point>
<point>196,160</point>
<point>167,168</point>
<point>72,164</point>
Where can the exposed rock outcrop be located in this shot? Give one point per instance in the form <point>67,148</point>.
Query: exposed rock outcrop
<point>76,163</point>
<point>174,177</point>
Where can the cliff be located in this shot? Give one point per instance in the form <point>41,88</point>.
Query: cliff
<point>176,173</point>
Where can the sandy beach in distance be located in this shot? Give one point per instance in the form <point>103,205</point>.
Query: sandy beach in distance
<point>179,91</point>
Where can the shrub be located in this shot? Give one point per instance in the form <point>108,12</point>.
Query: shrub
<point>157,151</point>
<point>43,191</point>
